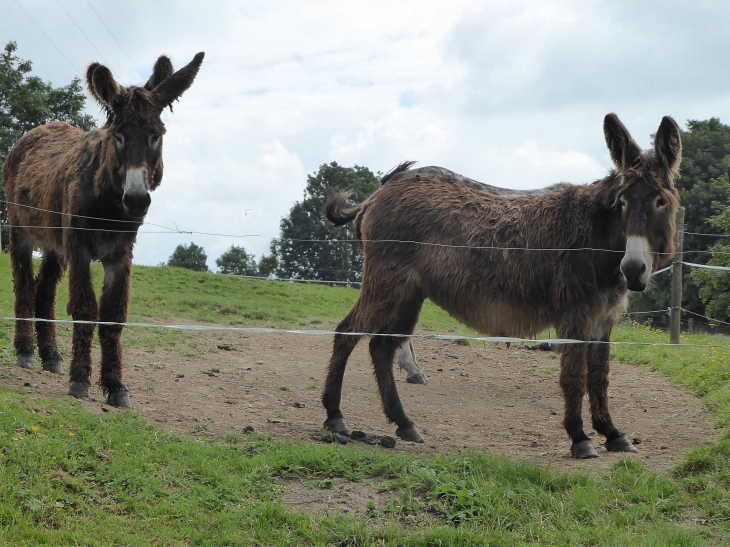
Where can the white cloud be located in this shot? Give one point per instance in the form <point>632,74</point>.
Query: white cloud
<point>512,93</point>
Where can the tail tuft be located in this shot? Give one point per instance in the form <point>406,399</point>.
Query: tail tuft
<point>336,211</point>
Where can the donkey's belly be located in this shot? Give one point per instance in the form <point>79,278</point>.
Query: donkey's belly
<point>500,318</point>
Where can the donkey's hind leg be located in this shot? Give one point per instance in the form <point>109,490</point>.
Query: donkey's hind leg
<point>21,262</point>
<point>382,351</point>
<point>407,361</point>
<point>598,367</point>
<point>341,350</point>
<point>52,269</point>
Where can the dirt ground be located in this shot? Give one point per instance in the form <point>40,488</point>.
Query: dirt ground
<point>494,399</point>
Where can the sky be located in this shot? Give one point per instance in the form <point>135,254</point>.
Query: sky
<point>511,93</point>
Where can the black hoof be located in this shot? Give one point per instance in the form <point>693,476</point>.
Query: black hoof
<point>25,361</point>
<point>53,365</point>
<point>80,390</point>
<point>337,425</point>
<point>583,450</point>
<point>417,378</point>
<point>119,399</point>
<point>409,434</point>
<point>620,444</point>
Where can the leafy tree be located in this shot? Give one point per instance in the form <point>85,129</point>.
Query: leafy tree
<point>333,259</point>
<point>236,261</point>
<point>27,102</point>
<point>268,264</point>
<point>714,286</point>
<point>191,257</point>
<point>705,160</point>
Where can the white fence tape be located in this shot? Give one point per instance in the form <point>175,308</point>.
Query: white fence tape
<point>307,332</point>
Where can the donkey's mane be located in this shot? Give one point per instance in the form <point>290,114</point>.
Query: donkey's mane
<point>405,166</point>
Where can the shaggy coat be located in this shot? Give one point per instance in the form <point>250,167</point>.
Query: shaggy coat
<point>81,196</point>
<point>407,354</point>
<point>603,239</point>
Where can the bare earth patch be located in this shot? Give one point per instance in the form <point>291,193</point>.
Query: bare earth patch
<point>493,399</point>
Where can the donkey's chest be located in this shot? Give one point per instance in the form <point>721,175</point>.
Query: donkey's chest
<point>109,245</point>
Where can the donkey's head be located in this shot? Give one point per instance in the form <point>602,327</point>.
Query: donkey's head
<point>644,197</point>
<point>134,130</point>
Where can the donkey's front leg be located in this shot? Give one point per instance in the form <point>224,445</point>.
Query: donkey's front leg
<point>114,302</point>
<point>82,307</point>
<point>573,385</point>
<point>598,367</point>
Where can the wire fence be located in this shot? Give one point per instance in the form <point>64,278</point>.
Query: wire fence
<point>318,332</point>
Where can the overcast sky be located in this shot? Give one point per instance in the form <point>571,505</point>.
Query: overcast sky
<point>512,93</point>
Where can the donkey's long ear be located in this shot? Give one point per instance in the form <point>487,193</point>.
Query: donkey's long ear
<point>163,69</point>
<point>624,150</point>
<point>668,146</point>
<point>102,85</point>
<point>172,87</point>
<point>90,82</point>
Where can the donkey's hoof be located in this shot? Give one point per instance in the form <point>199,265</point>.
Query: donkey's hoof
<point>80,390</point>
<point>119,399</point>
<point>583,450</point>
<point>338,425</point>
<point>417,378</point>
<point>25,361</point>
<point>620,444</point>
<point>409,434</point>
<point>53,365</point>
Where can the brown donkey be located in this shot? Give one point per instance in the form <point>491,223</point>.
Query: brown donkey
<point>81,196</point>
<point>605,239</point>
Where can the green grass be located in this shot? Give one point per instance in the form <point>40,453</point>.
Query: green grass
<point>119,481</point>
<point>166,294</point>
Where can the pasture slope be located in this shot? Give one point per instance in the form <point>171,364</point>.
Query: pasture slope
<point>72,477</point>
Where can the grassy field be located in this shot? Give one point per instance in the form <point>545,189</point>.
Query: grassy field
<point>68,477</point>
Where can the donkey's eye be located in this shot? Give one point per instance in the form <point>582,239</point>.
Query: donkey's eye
<point>154,140</point>
<point>119,139</point>
<point>622,201</point>
<point>659,203</point>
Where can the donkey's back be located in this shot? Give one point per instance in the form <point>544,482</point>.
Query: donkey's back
<point>404,172</point>
<point>39,175</point>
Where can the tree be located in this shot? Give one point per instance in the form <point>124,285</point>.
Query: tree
<point>299,256</point>
<point>705,160</point>
<point>235,261</point>
<point>268,264</point>
<point>714,286</point>
<point>27,102</point>
<point>191,257</point>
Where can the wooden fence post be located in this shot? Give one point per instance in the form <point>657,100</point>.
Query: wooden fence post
<point>675,312</point>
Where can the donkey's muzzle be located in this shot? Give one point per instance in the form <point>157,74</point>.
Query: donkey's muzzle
<point>136,205</point>
<point>136,198</point>
<point>635,274</point>
<point>636,263</point>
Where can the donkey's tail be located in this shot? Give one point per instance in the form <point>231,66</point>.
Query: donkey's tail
<point>405,166</point>
<point>336,212</point>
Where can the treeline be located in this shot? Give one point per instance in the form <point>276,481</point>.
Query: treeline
<point>307,248</point>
